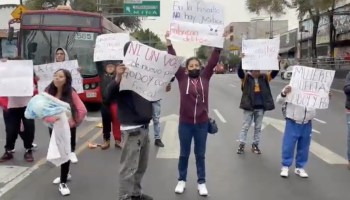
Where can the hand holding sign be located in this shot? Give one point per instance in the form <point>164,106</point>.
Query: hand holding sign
<point>149,72</point>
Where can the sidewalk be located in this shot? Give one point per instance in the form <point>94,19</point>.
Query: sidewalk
<point>338,84</point>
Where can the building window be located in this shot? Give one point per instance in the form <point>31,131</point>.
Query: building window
<point>231,29</point>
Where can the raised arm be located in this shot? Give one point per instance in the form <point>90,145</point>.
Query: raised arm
<point>181,71</point>
<point>213,61</point>
<point>282,97</point>
<point>271,75</point>
<point>240,72</point>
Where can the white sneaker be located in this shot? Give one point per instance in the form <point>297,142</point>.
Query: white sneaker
<point>301,172</point>
<point>58,179</point>
<point>63,188</point>
<point>284,172</point>
<point>202,189</point>
<point>73,158</point>
<point>180,187</point>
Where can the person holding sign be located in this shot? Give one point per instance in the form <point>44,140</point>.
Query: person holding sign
<point>109,108</point>
<point>347,106</point>
<point>61,55</point>
<point>256,99</point>
<point>194,119</point>
<point>135,114</point>
<point>13,113</point>
<point>297,132</point>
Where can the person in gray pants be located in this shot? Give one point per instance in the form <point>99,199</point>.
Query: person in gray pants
<point>135,114</point>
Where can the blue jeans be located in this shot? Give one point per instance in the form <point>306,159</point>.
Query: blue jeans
<point>300,135</point>
<point>186,132</point>
<point>348,122</point>
<point>257,115</point>
<point>156,116</point>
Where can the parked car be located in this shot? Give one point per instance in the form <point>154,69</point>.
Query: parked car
<point>287,74</point>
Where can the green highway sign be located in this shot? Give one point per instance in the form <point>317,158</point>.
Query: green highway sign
<point>146,8</point>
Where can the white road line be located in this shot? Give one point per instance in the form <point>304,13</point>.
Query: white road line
<point>171,140</point>
<point>219,116</point>
<point>326,155</point>
<point>321,121</point>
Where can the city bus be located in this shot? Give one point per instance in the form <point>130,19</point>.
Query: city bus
<point>43,31</point>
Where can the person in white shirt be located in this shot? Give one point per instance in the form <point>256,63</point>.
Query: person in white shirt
<point>297,133</point>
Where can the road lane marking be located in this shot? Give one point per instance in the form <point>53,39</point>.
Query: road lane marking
<point>87,130</point>
<point>320,121</point>
<point>171,141</point>
<point>222,119</point>
<point>317,149</point>
<point>12,183</point>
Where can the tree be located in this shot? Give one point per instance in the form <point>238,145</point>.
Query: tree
<point>149,38</point>
<point>108,7</point>
<point>310,8</point>
<point>203,53</point>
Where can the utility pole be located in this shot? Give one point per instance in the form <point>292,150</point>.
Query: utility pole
<point>21,2</point>
<point>271,27</point>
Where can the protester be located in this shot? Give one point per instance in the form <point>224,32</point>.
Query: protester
<point>109,108</point>
<point>194,92</point>
<point>61,55</point>
<point>135,114</point>
<point>298,132</point>
<point>347,106</point>
<point>61,88</point>
<point>16,124</point>
<point>256,99</point>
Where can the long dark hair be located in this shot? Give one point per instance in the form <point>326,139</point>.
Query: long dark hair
<point>193,58</point>
<point>66,90</point>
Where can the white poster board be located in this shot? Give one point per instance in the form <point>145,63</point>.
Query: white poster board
<point>310,87</point>
<point>16,78</point>
<point>110,46</point>
<point>260,54</point>
<point>148,70</point>
<point>198,22</point>
<point>46,72</point>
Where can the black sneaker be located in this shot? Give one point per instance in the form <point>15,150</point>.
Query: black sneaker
<point>7,156</point>
<point>142,197</point>
<point>255,149</point>
<point>158,143</point>
<point>28,155</point>
<point>240,149</point>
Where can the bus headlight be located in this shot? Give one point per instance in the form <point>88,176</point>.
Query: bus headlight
<point>93,85</point>
<point>86,86</point>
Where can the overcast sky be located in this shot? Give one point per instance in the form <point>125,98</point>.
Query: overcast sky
<point>235,12</point>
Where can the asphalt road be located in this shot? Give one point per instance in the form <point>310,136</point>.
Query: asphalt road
<point>229,176</point>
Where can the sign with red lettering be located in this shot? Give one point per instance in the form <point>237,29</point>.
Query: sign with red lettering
<point>261,54</point>
<point>198,22</point>
<point>310,87</point>
<point>148,70</point>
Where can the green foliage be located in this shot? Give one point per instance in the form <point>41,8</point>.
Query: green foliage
<point>203,53</point>
<point>149,38</point>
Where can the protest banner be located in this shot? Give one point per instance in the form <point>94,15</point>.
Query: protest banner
<point>46,72</point>
<point>110,46</point>
<point>198,21</point>
<point>16,78</point>
<point>310,87</point>
<point>148,70</point>
<point>260,54</point>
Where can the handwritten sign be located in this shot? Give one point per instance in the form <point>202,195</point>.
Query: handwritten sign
<point>261,54</point>
<point>46,72</point>
<point>110,46</point>
<point>148,70</point>
<point>310,87</point>
<point>198,21</point>
<point>16,78</point>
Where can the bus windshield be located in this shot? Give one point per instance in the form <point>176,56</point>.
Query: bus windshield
<point>40,46</point>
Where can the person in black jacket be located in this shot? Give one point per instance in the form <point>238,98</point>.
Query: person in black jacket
<point>109,108</point>
<point>135,114</point>
<point>347,107</point>
<point>256,99</point>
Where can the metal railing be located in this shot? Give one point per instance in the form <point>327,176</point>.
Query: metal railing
<point>322,63</point>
